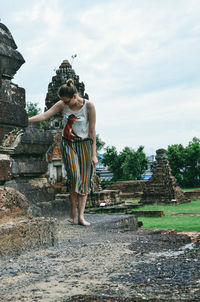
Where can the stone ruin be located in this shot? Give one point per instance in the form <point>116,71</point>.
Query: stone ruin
<point>129,188</point>
<point>22,150</point>
<point>162,187</point>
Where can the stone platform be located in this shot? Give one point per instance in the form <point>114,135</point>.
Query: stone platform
<point>19,231</point>
<point>193,194</point>
<point>100,263</point>
<point>23,235</point>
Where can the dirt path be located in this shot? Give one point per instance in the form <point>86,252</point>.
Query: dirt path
<point>106,262</point>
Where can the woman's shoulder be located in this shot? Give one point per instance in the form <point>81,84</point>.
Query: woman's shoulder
<point>90,105</point>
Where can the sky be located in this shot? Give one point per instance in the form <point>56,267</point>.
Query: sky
<point>139,61</point>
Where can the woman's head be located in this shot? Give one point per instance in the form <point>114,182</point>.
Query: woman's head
<point>67,90</point>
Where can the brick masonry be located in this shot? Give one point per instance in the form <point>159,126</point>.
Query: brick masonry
<point>162,187</point>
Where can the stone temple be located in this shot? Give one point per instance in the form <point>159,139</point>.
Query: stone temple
<point>22,158</point>
<point>22,147</point>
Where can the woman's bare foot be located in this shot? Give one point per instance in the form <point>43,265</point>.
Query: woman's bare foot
<point>71,220</point>
<point>84,222</point>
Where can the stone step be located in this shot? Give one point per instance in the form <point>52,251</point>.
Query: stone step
<point>28,234</point>
<point>146,213</point>
<point>112,209</point>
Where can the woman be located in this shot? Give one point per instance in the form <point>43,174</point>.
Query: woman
<point>78,145</point>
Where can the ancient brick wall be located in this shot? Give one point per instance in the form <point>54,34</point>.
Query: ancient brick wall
<point>131,186</point>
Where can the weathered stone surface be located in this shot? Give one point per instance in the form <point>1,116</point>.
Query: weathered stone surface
<point>25,167</point>
<point>162,187</point>
<point>193,194</point>
<point>148,213</point>
<point>55,208</point>
<point>29,141</point>
<point>103,263</point>
<point>130,188</point>
<point>96,183</point>
<point>4,130</point>
<point>12,204</point>
<point>12,107</point>
<point>28,234</point>
<point>11,59</point>
<point>12,114</point>
<point>13,94</point>
<point>36,189</point>
<point>5,167</point>
<point>107,196</point>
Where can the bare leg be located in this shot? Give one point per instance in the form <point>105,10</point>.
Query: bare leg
<point>81,208</point>
<point>73,200</point>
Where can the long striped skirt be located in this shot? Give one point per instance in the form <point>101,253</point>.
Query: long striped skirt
<point>77,160</point>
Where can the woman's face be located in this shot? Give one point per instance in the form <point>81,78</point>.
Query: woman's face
<point>69,101</point>
<point>66,99</point>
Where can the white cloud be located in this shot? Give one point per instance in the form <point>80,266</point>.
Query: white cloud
<point>139,61</point>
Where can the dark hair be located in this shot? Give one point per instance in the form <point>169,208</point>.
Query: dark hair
<point>67,89</point>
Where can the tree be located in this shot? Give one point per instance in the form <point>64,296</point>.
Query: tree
<point>99,143</point>
<point>191,173</point>
<point>112,161</point>
<point>185,163</point>
<point>32,109</point>
<point>176,156</point>
<point>127,165</point>
<point>134,163</point>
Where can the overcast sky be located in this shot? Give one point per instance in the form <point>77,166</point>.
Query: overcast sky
<point>139,60</point>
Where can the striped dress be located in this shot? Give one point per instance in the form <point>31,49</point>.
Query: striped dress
<point>76,150</point>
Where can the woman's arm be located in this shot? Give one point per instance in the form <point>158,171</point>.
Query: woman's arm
<point>57,107</point>
<point>92,131</point>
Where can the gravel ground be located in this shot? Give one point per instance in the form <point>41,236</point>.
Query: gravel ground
<point>104,262</point>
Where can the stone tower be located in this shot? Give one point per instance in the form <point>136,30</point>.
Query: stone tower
<point>24,191</point>
<point>162,187</point>
<point>12,98</point>
<point>22,148</point>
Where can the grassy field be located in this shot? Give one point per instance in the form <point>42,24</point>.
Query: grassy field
<point>180,223</point>
<point>189,189</point>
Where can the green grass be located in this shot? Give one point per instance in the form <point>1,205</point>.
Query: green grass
<point>189,189</point>
<point>188,207</point>
<point>180,223</point>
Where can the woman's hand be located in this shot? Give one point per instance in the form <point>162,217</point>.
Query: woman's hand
<point>94,161</point>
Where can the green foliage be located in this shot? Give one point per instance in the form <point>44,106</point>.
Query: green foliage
<point>176,157</point>
<point>127,165</point>
<point>106,183</point>
<point>112,160</point>
<point>185,163</point>
<point>32,109</point>
<point>99,143</point>
<point>134,163</point>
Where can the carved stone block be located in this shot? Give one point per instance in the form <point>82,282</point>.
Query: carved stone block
<point>27,167</point>
<point>5,168</point>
